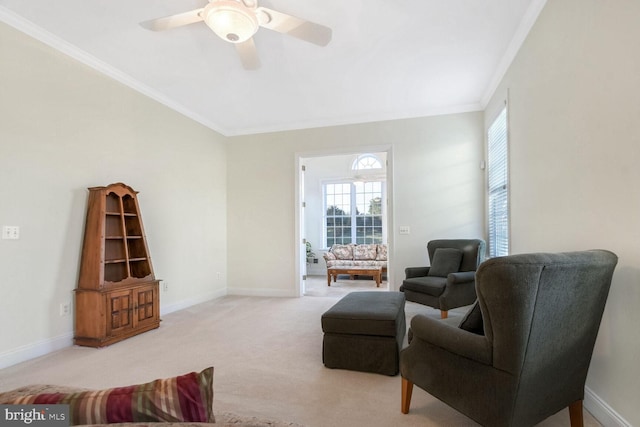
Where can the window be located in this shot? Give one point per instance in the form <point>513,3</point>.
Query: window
<point>354,212</point>
<point>498,186</point>
<point>366,161</point>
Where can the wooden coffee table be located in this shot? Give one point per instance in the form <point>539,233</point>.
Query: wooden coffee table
<point>376,272</point>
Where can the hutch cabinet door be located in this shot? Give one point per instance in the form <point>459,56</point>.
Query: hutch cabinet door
<point>146,305</point>
<point>119,310</point>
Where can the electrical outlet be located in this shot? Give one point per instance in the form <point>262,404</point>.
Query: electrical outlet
<point>218,275</point>
<point>65,309</point>
<point>165,286</point>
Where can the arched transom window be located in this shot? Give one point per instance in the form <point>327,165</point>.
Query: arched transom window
<point>366,161</point>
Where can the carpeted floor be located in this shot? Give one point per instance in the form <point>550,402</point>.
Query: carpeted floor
<point>268,364</point>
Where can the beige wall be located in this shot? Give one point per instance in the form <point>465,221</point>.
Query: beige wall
<point>435,174</point>
<point>65,127</point>
<point>574,123</point>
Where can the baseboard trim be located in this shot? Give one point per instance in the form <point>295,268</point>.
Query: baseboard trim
<point>601,411</point>
<point>41,348</point>
<point>262,292</point>
<point>37,349</point>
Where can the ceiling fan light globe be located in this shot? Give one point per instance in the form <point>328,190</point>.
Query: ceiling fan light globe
<point>231,21</point>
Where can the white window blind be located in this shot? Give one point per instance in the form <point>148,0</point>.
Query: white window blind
<point>498,186</point>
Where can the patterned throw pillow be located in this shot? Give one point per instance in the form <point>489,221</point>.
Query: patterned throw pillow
<point>364,252</point>
<point>381,254</point>
<point>186,398</point>
<point>343,251</point>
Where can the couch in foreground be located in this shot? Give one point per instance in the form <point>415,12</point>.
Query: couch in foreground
<point>182,401</point>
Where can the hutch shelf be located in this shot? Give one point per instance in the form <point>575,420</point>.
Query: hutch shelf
<point>117,294</point>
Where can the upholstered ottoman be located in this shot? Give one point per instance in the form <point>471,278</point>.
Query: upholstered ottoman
<point>364,332</point>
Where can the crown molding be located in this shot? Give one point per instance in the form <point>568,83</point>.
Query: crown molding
<point>29,28</point>
<point>359,119</point>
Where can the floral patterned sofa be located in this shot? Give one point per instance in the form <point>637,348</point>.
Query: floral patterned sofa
<point>363,255</point>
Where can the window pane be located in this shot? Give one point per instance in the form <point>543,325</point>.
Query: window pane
<point>366,161</point>
<point>498,186</point>
<point>365,208</point>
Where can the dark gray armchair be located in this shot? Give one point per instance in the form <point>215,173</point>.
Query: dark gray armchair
<point>522,352</point>
<point>450,280</point>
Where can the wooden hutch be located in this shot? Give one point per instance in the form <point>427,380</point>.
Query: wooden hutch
<point>117,294</point>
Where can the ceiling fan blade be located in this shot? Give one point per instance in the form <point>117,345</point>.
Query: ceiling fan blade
<point>296,27</point>
<point>173,21</point>
<point>248,54</point>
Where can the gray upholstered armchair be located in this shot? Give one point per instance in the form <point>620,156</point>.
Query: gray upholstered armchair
<point>450,280</point>
<point>523,351</point>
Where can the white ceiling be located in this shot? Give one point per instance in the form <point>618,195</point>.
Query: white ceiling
<point>388,59</point>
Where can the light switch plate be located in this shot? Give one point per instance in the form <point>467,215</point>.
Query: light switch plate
<point>405,229</point>
<point>10,232</point>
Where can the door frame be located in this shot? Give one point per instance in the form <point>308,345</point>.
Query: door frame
<point>300,265</point>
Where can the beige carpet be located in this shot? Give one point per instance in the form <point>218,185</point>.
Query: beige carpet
<point>268,364</point>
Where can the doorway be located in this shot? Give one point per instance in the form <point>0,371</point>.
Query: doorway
<point>316,232</point>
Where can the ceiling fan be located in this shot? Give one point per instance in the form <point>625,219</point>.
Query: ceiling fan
<point>236,21</point>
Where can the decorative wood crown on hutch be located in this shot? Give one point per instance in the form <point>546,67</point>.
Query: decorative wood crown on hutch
<point>115,249</point>
<point>117,295</point>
